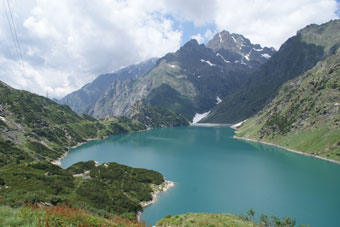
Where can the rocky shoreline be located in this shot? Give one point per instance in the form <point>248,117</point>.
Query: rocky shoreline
<point>157,189</point>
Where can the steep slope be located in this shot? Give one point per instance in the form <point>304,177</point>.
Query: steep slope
<point>156,116</point>
<point>305,114</point>
<point>36,128</point>
<point>189,81</point>
<point>81,99</point>
<point>297,55</point>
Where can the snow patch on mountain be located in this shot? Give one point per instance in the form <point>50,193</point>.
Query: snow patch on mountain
<point>266,55</point>
<point>219,55</point>
<point>172,66</point>
<point>208,62</point>
<point>199,117</point>
<point>218,100</point>
<point>221,40</point>
<point>258,50</point>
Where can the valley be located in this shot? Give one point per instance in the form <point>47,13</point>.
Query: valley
<point>140,116</point>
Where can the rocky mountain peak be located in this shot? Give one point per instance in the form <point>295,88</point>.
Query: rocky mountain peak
<point>228,45</point>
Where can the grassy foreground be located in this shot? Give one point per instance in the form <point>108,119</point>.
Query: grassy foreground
<point>203,219</point>
<point>62,215</point>
<point>230,220</point>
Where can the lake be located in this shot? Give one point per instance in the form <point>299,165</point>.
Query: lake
<point>213,172</point>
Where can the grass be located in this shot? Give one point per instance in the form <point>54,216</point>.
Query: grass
<point>61,215</point>
<point>204,219</point>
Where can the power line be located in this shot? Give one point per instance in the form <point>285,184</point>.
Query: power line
<point>14,34</point>
<point>11,29</point>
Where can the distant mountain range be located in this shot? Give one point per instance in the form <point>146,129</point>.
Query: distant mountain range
<point>191,81</point>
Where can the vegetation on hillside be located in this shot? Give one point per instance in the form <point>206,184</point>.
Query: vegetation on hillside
<point>106,190</point>
<point>61,215</point>
<point>213,219</point>
<point>35,131</point>
<point>156,116</point>
<point>305,114</point>
<point>33,127</point>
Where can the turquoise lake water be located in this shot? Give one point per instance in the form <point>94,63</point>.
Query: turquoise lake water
<point>213,172</point>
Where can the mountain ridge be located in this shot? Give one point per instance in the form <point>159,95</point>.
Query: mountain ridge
<point>297,55</point>
<point>188,81</point>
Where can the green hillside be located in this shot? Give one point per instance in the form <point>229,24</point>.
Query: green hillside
<point>156,116</point>
<point>35,128</point>
<point>35,131</point>
<point>108,189</point>
<point>305,114</point>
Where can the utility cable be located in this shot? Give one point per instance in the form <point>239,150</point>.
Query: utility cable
<point>14,34</point>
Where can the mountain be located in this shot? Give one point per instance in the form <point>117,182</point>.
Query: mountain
<point>297,55</point>
<point>81,99</point>
<point>192,80</point>
<point>237,48</point>
<point>305,114</point>
<point>33,127</point>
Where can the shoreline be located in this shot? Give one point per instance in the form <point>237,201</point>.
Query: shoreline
<point>234,126</point>
<point>57,162</point>
<point>157,189</point>
<point>289,149</point>
<point>208,124</point>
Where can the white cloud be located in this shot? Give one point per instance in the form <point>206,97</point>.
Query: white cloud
<point>198,37</point>
<point>66,44</point>
<point>270,23</point>
<point>205,37</point>
<point>201,12</point>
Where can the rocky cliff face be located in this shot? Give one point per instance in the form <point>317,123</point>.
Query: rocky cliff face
<point>238,49</point>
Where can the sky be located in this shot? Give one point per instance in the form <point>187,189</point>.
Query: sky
<point>65,44</point>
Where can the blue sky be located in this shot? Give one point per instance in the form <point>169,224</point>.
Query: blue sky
<point>189,30</point>
<point>66,44</point>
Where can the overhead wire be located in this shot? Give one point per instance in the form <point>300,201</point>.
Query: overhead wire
<point>14,35</point>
